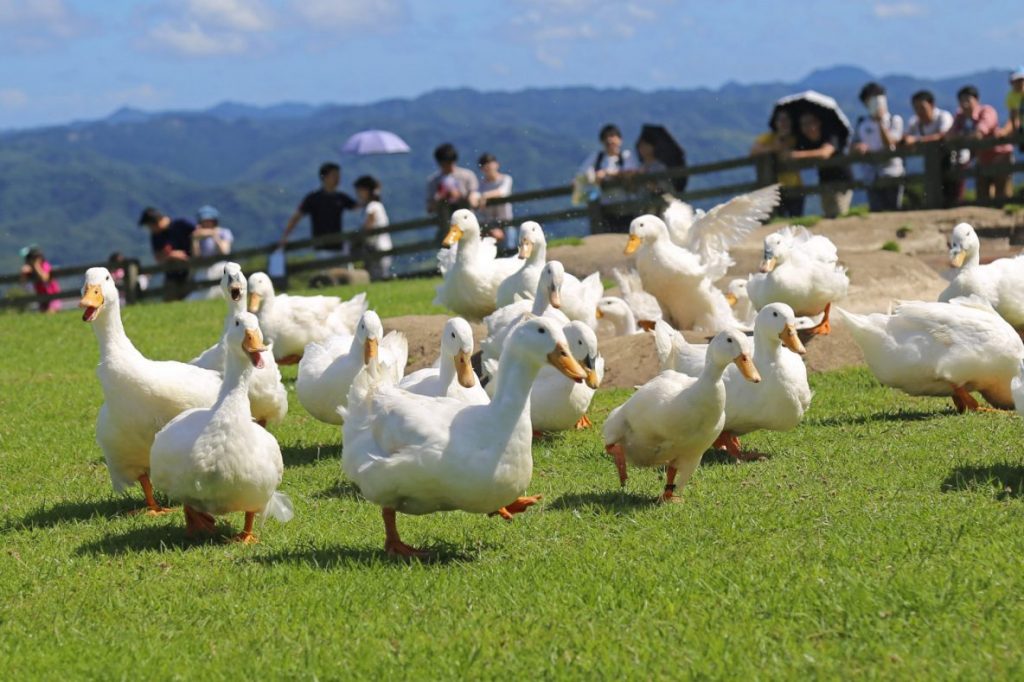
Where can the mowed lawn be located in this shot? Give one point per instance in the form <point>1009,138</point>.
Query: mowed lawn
<point>883,538</point>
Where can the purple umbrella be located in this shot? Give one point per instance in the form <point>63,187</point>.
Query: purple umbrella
<point>375,142</point>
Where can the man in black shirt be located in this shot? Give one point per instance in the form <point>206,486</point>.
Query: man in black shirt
<point>171,241</point>
<point>324,208</point>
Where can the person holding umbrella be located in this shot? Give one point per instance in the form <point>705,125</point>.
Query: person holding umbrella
<point>781,139</point>
<point>658,151</point>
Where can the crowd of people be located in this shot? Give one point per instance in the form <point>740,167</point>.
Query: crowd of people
<point>880,129</point>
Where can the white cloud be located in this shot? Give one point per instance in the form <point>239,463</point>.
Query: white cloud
<point>12,98</point>
<point>237,15</point>
<point>346,14</point>
<point>30,25</point>
<point>208,28</point>
<point>898,10</point>
<point>192,40</point>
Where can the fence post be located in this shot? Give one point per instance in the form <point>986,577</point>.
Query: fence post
<point>444,221</point>
<point>596,216</point>
<point>765,167</point>
<point>933,174</point>
<point>131,282</point>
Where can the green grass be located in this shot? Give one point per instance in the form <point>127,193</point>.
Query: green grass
<point>861,211</point>
<point>565,241</point>
<point>1011,208</point>
<point>804,220</point>
<point>891,246</point>
<point>882,539</point>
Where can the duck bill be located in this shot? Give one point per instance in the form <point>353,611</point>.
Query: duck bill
<point>369,350</point>
<point>747,368</point>
<point>525,248</point>
<point>254,303</point>
<point>633,244</point>
<point>236,293</point>
<point>464,370</point>
<point>564,362</point>
<point>957,259</point>
<point>91,302</point>
<point>453,236</point>
<point>768,264</point>
<point>252,344</point>
<point>598,314</point>
<point>593,381</point>
<point>731,298</point>
<point>791,341</point>
<point>555,298</point>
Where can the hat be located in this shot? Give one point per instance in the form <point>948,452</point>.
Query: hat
<point>1017,74</point>
<point>207,213</point>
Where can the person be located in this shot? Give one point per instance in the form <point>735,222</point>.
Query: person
<point>374,215</point>
<point>451,185</point>
<point>1015,104</point>
<point>879,131</point>
<point>210,238</point>
<point>930,124</point>
<point>171,241</point>
<point>610,160</point>
<point>37,271</point>
<point>976,121</point>
<point>650,163</point>
<point>780,140</point>
<point>812,143</point>
<point>324,208</point>
<point>495,219</point>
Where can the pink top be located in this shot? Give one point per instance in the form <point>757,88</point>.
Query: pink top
<point>50,287</point>
<point>986,121</point>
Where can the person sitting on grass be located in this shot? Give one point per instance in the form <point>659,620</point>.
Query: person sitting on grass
<point>37,271</point>
<point>374,215</point>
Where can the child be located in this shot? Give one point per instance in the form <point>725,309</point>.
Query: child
<point>37,271</point>
<point>368,195</point>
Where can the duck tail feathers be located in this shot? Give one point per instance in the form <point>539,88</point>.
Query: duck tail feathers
<point>279,508</point>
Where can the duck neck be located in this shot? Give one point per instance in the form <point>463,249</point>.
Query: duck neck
<point>973,259</point>
<point>234,390</point>
<point>468,245</point>
<point>110,333</point>
<point>446,370</point>
<point>539,255</point>
<point>766,349</point>
<point>540,303</point>
<point>711,374</point>
<point>625,323</point>
<point>512,392</point>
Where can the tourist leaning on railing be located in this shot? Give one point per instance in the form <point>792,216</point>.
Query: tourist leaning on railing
<point>1015,104</point>
<point>781,140</point>
<point>324,208</point>
<point>496,219</point>
<point>930,124</point>
<point>374,216</point>
<point>977,121</point>
<point>880,130</point>
<point>812,144</point>
<point>171,241</point>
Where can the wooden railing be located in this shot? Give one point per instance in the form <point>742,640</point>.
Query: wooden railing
<point>599,214</point>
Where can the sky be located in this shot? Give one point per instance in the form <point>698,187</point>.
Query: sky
<point>63,60</point>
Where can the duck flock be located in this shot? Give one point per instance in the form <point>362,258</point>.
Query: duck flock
<point>443,438</point>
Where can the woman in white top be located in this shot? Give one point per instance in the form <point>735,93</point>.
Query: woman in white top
<point>374,215</point>
<point>496,219</point>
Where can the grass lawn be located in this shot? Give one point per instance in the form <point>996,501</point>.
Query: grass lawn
<point>882,539</point>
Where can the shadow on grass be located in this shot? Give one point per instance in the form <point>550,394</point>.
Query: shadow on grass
<point>1006,479</point>
<point>901,416</point>
<point>618,500</point>
<point>48,516</point>
<point>152,539</point>
<point>341,490</point>
<point>441,554</point>
<point>306,455</point>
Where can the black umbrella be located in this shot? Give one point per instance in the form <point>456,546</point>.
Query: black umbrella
<point>833,121</point>
<point>666,149</point>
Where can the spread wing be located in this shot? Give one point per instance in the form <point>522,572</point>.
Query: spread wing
<point>713,234</point>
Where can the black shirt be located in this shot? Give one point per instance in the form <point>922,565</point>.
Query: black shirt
<point>840,173</point>
<point>177,237</point>
<point>324,211</point>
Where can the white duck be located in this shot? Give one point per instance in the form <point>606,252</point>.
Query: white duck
<point>673,418</point>
<point>418,454</point>
<point>779,400</point>
<point>645,307</point>
<point>941,349</point>
<point>678,278</point>
<point>533,248</point>
<point>674,351</point>
<point>473,273</point>
<point>738,298</point>
<point>558,403</point>
<point>1017,387</point>
<point>1000,282</point>
<point>326,372</point>
<point>268,398</point>
<point>140,395</point>
<point>616,312</point>
<point>216,460</point>
<point>580,297</point>
<point>801,270</point>
<point>546,303</point>
<point>290,323</point>
<point>452,376</point>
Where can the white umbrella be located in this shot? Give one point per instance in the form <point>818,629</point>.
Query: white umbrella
<point>375,142</point>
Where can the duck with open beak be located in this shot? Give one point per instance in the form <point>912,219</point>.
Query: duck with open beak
<point>252,344</point>
<point>91,302</point>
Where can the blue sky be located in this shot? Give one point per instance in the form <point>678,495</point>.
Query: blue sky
<point>62,60</point>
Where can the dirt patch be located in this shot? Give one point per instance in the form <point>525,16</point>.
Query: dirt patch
<point>424,335</point>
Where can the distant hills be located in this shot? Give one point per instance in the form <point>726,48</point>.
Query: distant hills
<point>77,189</point>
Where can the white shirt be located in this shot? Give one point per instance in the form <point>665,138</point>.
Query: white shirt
<point>601,160</point>
<point>869,132</point>
<point>941,123</point>
<point>376,211</point>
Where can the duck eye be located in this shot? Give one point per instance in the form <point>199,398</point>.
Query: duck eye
<point>775,314</point>
<point>236,323</point>
<point>453,335</point>
<point>729,340</point>
<point>108,278</point>
<point>541,330</point>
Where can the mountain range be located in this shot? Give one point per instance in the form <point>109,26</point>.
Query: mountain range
<point>77,189</point>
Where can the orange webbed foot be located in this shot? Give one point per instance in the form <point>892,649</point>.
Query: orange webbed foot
<point>824,327</point>
<point>400,549</point>
<point>198,522</point>
<point>584,423</point>
<point>245,538</point>
<point>619,455</point>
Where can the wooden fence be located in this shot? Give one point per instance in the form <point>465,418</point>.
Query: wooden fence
<point>600,213</point>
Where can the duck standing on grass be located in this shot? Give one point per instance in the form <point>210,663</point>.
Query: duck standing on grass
<point>290,323</point>
<point>673,418</point>
<point>268,398</point>
<point>418,454</point>
<point>801,270</point>
<point>1000,282</point>
<point>941,349</point>
<point>216,460</point>
<point>452,375</point>
<point>140,395</point>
